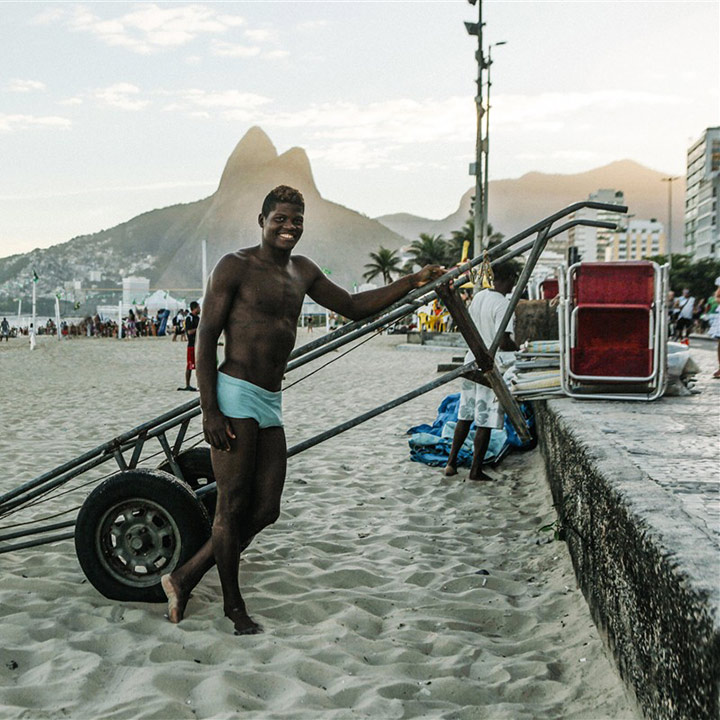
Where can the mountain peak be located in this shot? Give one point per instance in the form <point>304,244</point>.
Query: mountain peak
<point>255,148</point>
<point>296,163</point>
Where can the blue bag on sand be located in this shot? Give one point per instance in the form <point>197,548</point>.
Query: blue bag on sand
<point>430,444</point>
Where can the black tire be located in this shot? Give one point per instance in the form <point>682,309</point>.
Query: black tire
<point>197,470</point>
<point>135,527</point>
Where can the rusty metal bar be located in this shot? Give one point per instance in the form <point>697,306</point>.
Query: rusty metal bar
<point>181,436</point>
<point>39,541</point>
<point>139,445</point>
<point>162,438</point>
<point>538,247</point>
<point>36,530</point>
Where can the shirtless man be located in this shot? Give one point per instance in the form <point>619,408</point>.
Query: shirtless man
<point>255,297</point>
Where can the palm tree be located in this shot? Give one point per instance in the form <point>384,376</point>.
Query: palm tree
<point>466,234</point>
<point>428,250</point>
<point>384,262</point>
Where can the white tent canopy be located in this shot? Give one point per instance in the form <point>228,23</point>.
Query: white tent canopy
<point>161,300</point>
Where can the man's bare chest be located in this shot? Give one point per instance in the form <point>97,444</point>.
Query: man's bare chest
<point>278,295</point>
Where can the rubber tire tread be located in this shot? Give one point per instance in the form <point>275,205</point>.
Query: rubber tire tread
<point>175,496</point>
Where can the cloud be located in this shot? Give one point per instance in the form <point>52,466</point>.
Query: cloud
<point>312,24</point>
<point>275,54</point>
<point>24,86</point>
<point>118,188</point>
<point>71,101</point>
<point>147,28</point>
<point>122,96</point>
<point>260,35</point>
<point>552,111</point>
<point>233,99</point>
<point>12,123</point>
<point>401,121</point>
<point>227,49</point>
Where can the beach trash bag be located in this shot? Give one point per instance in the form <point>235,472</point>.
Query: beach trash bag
<point>135,527</point>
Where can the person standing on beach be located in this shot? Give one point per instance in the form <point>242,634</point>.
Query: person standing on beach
<point>190,327</point>
<point>5,329</point>
<point>686,305</point>
<point>477,402</point>
<point>255,296</point>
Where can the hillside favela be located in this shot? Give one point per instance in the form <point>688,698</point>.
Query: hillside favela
<point>360,360</point>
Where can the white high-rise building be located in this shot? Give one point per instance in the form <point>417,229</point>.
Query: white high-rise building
<point>592,242</point>
<point>702,239</point>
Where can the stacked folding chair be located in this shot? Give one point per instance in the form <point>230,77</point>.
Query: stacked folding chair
<point>613,330</point>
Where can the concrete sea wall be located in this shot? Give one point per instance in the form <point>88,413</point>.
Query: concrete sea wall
<point>651,575</point>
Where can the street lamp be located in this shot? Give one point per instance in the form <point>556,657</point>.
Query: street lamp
<point>487,141</point>
<point>476,29</point>
<point>669,181</point>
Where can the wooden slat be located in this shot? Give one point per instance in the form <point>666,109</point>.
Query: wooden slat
<point>486,363</point>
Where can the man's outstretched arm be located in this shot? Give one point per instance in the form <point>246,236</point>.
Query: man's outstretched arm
<point>361,305</point>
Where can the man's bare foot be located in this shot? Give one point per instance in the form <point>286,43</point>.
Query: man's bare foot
<point>177,600</point>
<point>244,624</point>
<point>450,470</point>
<point>481,476</point>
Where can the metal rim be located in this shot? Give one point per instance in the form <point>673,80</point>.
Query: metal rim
<point>137,541</point>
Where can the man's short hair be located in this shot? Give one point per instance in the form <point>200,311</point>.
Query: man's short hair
<point>282,194</point>
<point>509,270</point>
<point>194,305</point>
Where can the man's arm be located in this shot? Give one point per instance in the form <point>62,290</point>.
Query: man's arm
<point>361,305</point>
<point>219,294</point>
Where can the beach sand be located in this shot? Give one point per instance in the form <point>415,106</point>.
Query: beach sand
<point>385,589</point>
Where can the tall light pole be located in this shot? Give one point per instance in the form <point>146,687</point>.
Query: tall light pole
<point>669,181</point>
<point>476,29</point>
<point>484,236</point>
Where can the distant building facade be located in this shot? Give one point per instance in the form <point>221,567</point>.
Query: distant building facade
<point>638,239</point>
<point>134,289</point>
<point>701,196</point>
<point>592,242</point>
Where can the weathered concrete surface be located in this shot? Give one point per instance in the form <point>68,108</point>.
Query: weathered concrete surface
<point>639,487</point>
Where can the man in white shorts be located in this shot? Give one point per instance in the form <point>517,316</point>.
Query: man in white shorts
<point>477,402</point>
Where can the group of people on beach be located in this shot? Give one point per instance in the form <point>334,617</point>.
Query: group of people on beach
<point>687,315</point>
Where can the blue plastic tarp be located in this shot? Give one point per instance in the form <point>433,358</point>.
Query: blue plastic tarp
<point>430,444</point>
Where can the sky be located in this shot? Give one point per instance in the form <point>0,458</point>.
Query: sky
<point>111,109</point>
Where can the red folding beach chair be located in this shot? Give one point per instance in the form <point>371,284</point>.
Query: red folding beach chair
<point>613,338</point>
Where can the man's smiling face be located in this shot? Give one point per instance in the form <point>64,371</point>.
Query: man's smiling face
<point>283,227</point>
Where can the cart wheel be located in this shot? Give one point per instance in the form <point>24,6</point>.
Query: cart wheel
<point>197,472</point>
<point>135,527</point>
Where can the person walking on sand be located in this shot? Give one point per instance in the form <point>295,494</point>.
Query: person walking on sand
<point>255,296</point>
<point>4,330</point>
<point>31,336</point>
<point>477,402</point>
<point>190,327</point>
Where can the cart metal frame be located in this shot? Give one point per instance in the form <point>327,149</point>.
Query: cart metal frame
<point>127,448</point>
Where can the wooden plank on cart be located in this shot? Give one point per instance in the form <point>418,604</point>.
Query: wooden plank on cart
<point>485,361</point>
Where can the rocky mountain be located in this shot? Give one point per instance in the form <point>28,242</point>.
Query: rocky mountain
<point>518,203</point>
<point>165,245</point>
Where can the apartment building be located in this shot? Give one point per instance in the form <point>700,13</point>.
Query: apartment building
<point>638,239</point>
<point>702,238</point>
<point>592,242</point>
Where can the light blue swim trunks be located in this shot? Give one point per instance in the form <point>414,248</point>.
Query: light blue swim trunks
<point>242,399</point>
